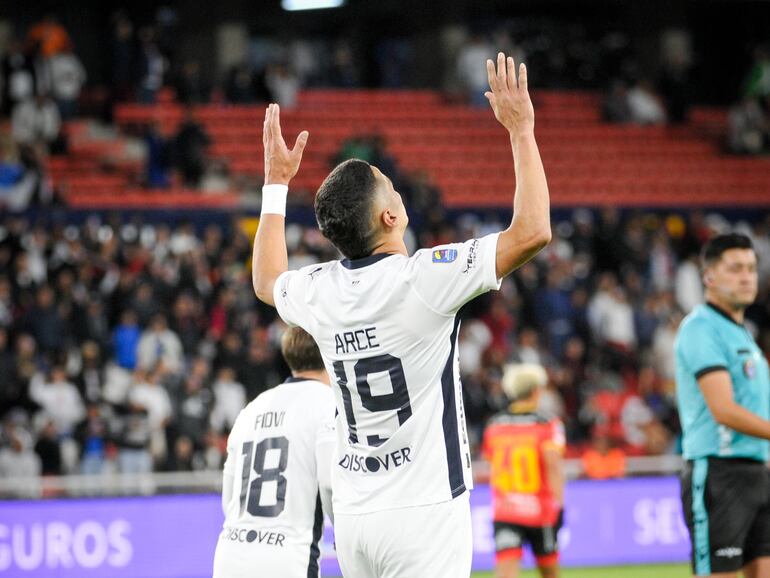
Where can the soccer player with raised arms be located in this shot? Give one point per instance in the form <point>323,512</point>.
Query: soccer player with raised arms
<point>723,391</point>
<point>276,483</point>
<point>386,325</point>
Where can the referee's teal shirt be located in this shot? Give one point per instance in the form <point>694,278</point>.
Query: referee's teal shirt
<point>708,340</point>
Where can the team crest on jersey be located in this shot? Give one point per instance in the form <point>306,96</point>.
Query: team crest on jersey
<point>749,368</point>
<point>444,255</point>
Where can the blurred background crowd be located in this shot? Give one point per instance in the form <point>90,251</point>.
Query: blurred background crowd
<point>132,346</point>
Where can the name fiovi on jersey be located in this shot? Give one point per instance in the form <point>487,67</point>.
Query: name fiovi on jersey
<point>386,327</point>
<point>276,478</point>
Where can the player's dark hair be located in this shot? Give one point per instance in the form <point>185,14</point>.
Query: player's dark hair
<point>300,350</point>
<point>343,208</point>
<point>713,249</point>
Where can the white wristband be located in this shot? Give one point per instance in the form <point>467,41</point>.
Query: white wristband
<point>274,199</point>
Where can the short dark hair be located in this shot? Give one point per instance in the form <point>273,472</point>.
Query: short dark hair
<point>713,249</point>
<point>300,350</point>
<point>343,208</point>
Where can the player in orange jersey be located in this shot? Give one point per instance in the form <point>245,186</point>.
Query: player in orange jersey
<point>525,451</point>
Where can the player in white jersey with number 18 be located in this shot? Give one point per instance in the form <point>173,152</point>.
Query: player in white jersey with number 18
<point>277,473</point>
<point>386,326</point>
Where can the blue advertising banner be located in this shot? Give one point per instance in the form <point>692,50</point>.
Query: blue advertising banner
<point>610,522</point>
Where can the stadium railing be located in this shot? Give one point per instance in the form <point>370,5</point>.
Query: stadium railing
<point>206,481</point>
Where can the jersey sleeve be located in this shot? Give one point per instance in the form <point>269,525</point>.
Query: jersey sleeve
<point>556,438</point>
<point>228,474</point>
<point>289,297</point>
<point>701,349</point>
<point>448,276</point>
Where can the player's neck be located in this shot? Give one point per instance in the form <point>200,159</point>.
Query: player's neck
<point>524,406</point>
<point>391,244</point>
<point>320,375</point>
<point>735,312</point>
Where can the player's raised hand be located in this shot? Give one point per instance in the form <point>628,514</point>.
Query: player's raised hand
<point>281,164</point>
<point>510,99</point>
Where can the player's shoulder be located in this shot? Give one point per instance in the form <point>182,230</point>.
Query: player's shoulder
<point>315,271</point>
<point>698,323</point>
<point>309,393</point>
<point>510,418</point>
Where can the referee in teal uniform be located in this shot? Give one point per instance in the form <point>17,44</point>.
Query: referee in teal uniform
<point>723,392</point>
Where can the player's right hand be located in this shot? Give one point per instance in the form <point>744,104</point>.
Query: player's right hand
<point>281,164</point>
<point>510,99</point>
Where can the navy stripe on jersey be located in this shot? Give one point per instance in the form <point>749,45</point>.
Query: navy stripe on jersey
<point>364,261</point>
<point>315,551</point>
<point>449,421</point>
<point>709,369</point>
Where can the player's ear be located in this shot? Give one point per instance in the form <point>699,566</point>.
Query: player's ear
<point>388,218</point>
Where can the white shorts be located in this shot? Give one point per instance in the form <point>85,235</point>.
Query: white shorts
<point>432,541</point>
<point>243,559</point>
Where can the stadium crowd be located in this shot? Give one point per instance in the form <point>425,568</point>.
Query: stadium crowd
<point>132,346</point>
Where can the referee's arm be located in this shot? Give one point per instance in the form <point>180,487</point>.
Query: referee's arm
<point>717,388</point>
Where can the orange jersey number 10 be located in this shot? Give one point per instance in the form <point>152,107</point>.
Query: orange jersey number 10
<point>516,469</point>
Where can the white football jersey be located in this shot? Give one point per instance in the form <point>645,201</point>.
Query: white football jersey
<point>387,330</point>
<point>276,477</point>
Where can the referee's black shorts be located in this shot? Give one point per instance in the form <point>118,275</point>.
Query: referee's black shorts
<point>726,504</point>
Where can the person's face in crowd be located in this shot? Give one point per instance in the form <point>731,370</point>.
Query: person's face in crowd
<point>58,375</point>
<point>159,324</point>
<point>45,298</point>
<point>733,279</point>
<point>226,375</point>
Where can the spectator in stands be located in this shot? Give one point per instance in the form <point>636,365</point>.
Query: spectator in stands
<point>616,107</point>
<point>471,71</point>
<point>157,162</point>
<point>688,286</point>
<point>18,181</point>
<point>133,440</point>
<point>151,67</point>
<point>190,148</point>
<point>45,321</point>
<point>191,87</point>
<point>645,105</point>
<point>49,450</point>
<point>159,345</point>
<point>748,128</point>
<point>125,340</point>
<point>757,82</point>
<point>229,399</point>
<point>93,434</point>
<point>602,461</point>
<point>66,76</point>
<point>150,396</point>
<point>122,56</point>
<point>36,121</point>
<point>344,71</point>
<point>48,38</point>
<point>59,399</point>
<point>90,378</point>
<point>192,407</point>
<point>283,84</point>
<point>17,458</point>
<point>17,78</point>
<point>241,86</point>
<point>663,346</point>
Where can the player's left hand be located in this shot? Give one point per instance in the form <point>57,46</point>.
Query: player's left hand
<point>281,164</point>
